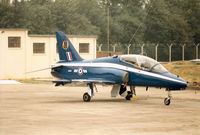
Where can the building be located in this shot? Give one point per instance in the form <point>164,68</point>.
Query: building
<point>21,52</point>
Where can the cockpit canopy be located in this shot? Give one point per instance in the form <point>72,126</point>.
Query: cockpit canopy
<point>143,62</point>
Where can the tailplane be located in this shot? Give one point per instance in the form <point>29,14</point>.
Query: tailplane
<point>65,48</point>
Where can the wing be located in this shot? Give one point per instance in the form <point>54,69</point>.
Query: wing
<point>90,80</point>
<point>54,80</point>
<point>94,80</point>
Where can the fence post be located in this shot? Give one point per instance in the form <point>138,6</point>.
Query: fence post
<point>99,46</point>
<point>142,49</point>
<point>197,51</point>
<point>156,52</point>
<point>170,52</point>
<point>183,52</point>
<point>114,47</point>
<point>128,48</point>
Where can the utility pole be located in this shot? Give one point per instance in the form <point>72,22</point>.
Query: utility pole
<point>108,4</point>
<point>108,28</point>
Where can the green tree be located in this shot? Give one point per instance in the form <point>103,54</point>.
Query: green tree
<point>6,13</point>
<point>165,23</point>
<point>39,18</point>
<point>191,10</point>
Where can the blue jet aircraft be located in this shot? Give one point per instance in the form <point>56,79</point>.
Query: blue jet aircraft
<point>119,71</point>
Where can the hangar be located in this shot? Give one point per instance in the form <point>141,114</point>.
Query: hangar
<point>21,52</point>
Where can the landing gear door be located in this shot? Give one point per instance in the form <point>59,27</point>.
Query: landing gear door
<point>115,90</point>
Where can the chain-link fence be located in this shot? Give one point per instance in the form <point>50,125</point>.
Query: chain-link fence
<point>160,52</point>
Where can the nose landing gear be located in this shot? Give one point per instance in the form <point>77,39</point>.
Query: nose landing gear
<point>167,100</point>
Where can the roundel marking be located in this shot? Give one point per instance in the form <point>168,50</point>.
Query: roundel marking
<point>65,44</point>
<point>80,71</point>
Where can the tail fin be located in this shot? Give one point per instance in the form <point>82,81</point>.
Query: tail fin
<point>65,48</point>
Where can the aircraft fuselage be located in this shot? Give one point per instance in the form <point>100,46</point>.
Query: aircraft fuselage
<point>112,68</point>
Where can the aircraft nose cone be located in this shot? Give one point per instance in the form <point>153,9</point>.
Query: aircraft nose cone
<point>176,82</point>
<point>183,84</point>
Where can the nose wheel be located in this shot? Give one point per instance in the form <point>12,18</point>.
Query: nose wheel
<point>167,100</point>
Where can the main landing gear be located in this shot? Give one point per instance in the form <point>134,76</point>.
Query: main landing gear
<point>88,95</point>
<point>167,100</point>
<point>131,93</point>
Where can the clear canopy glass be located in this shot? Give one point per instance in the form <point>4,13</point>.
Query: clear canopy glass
<point>144,63</point>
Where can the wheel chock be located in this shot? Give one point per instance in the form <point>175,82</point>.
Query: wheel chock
<point>134,98</point>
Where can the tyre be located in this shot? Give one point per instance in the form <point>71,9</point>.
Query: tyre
<point>129,96</point>
<point>167,101</point>
<point>86,97</point>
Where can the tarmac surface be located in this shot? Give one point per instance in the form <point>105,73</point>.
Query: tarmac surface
<point>42,109</point>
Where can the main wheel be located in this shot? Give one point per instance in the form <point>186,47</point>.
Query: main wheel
<point>167,101</point>
<point>86,97</point>
<point>129,96</point>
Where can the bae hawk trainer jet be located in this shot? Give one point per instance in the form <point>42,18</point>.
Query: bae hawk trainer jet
<point>118,71</point>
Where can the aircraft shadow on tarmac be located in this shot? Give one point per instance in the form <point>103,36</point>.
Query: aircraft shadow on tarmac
<point>71,100</point>
<point>141,100</point>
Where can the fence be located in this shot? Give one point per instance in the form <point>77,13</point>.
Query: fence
<point>160,52</point>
